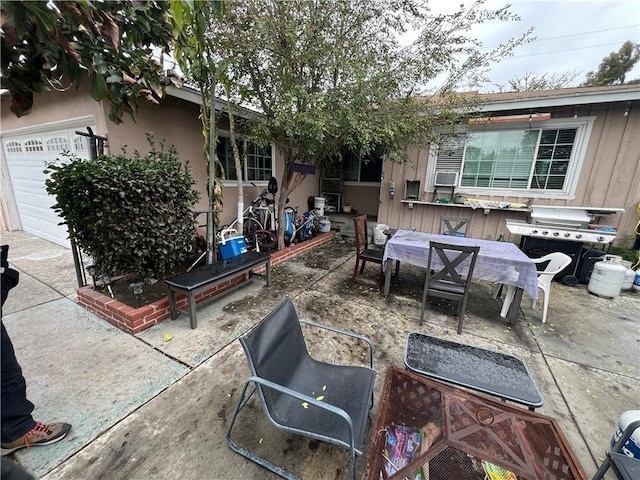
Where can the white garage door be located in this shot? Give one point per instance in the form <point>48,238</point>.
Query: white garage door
<point>26,157</point>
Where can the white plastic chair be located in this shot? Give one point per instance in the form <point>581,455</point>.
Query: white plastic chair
<point>558,261</point>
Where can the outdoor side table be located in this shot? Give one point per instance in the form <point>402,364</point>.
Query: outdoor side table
<point>494,373</point>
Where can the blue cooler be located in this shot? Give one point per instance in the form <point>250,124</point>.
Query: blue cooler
<point>231,244</point>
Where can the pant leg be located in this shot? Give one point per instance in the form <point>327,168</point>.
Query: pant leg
<point>16,409</point>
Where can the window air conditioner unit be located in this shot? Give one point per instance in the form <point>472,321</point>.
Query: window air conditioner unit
<point>446,179</point>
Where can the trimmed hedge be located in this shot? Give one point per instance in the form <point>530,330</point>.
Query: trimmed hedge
<point>132,215</point>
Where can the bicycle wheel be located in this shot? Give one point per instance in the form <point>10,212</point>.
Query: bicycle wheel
<point>313,231</point>
<point>266,240</point>
<point>250,226</point>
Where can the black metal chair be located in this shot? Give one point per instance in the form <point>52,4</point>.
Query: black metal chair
<point>454,226</point>
<point>625,468</point>
<point>365,254</point>
<point>300,394</point>
<point>449,282</point>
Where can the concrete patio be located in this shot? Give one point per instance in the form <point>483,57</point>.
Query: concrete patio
<point>144,407</point>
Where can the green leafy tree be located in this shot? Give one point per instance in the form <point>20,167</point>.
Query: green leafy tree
<point>545,81</point>
<point>330,75</point>
<point>195,55</point>
<point>614,67</point>
<point>54,45</point>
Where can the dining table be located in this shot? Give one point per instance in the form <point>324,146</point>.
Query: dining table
<point>497,262</point>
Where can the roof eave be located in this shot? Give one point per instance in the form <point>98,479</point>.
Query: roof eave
<point>562,99</point>
<point>191,95</point>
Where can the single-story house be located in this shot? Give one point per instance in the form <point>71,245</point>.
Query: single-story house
<point>568,147</point>
<point>30,141</point>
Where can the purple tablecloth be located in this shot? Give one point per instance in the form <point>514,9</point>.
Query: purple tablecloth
<point>500,262</point>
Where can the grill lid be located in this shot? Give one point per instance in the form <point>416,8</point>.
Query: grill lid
<point>560,217</point>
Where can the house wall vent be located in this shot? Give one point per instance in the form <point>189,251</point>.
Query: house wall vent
<point>446,179</point>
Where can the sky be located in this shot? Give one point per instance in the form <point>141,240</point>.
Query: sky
<point>571,35</point>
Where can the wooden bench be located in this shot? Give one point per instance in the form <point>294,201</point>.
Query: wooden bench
<point>206,277</point>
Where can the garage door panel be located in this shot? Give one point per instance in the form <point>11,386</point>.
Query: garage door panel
<point>27,158</point>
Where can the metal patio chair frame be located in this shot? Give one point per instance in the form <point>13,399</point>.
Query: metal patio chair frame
<point>289,383</point>
<point>611,461</point>
<point>448,282</point>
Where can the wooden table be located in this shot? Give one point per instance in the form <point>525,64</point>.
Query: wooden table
<point>463,430</point>
<point>499,262</point>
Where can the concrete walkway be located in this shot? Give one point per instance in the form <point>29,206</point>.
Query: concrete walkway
<point>144,407</point>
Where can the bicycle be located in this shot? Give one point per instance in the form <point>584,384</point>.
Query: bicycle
<point>258,224</point>
<point>304,226</point>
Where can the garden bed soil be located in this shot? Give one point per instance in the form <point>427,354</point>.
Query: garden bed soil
<point>150,293</point>
<point>122,291</point>
<point>134,313</point>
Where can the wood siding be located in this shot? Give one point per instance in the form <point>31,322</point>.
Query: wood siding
<point>610,177</point>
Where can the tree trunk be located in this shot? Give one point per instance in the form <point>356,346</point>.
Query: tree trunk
<point>236,161</point>
<point>211,241</point>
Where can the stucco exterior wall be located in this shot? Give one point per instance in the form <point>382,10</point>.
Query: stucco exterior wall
<point>176,121</point>
<point>55,107</point>
<point>609,177</point>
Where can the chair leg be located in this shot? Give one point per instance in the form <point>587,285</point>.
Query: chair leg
<point>362,266</point>
<point>244,398</point>
<point>508,300</point>
<point>545,305</point>
<point>497,291</point>
<point>462,307</point>
<point>424,300</point>
<point>355,270</point>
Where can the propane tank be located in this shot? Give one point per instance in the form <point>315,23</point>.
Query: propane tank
<point>636,282</point>
<point>629,276</point>
<point>607,277</point>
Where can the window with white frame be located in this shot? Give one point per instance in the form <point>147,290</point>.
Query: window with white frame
<point>257,162</point>
<point>57,144</point>
<point>365,169</point>
<point>502,160</point>
<point>33,146</point>
<point>14,147</point>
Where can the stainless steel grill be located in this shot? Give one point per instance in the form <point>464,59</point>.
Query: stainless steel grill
<point>566,230</point>
<point>566,223</point>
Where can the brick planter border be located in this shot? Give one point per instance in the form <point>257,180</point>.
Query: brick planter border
<point>135,320</point>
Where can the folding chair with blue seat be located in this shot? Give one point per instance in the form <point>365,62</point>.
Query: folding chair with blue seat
<point>286,376</point>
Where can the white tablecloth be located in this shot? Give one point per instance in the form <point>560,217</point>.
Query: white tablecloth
<point>500,262</point>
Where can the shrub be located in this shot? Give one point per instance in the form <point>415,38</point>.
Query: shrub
<point>132,215</point>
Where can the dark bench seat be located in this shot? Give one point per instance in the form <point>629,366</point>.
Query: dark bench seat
<point>206,277</point>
